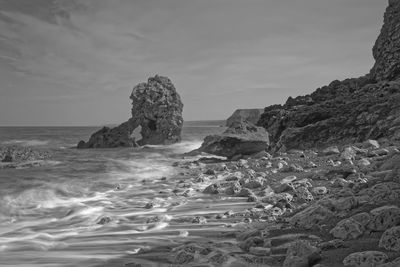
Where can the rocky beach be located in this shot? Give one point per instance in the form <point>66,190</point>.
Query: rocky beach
<point>314,181</point>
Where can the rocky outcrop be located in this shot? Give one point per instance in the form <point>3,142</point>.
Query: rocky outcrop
<point>242,138</point>
<point>352,110</point>
<point>386,50</point>
<point>240,115</point>
<point>156,109</point>
<point>12,157</point>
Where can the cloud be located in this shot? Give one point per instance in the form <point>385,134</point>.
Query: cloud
<point>86,55</point>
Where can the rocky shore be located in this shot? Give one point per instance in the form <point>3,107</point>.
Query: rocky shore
<point>13,157</point>
<point>333,207</point>
<point>320,175</point>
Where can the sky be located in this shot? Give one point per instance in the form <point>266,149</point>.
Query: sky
<point>75,62</point>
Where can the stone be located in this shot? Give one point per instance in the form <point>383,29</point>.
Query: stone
<point>254,183</point>
<point>253,241</point>
<point>156,113</point>
<point>320,190</point>
<point>260,251</point>
<point>303,194</point>
<point>241,115</point>
<point>390,239</point>
<point>245,192</point>
<point>7,158</point>
<point>240,139</point>
<point>301,254</point>
<point>233,189</point>
<point>311,217</point>
<point>104,220</point>
<point>332,150</point>
<point>347,229</point>
<point>348,154</point>
<point>384,217</point>
<point>213,189</point>
<point>199,220</point>
<point>365,259</point>
<point>371,144</point>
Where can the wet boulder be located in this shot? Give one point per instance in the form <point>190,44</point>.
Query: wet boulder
<point>242,138</point>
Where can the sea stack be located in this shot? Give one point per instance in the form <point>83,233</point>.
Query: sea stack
<point>156,110</point>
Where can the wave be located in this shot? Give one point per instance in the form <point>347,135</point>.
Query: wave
<point>182,147</point>
<point>23,142</point>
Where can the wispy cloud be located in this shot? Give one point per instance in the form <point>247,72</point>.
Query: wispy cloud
<point>86,55</point>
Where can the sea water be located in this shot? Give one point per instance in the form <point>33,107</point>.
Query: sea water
<point>49,215</point>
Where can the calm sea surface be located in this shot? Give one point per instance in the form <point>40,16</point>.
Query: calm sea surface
<point>49,215</point>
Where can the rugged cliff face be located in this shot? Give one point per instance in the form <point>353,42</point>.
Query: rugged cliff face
<point>386,50</point>
<point>240,115</point>
<point>156,108</point>
<point>352,110</point>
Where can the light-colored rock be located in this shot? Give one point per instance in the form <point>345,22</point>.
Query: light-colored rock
<point>320,190</point>
<point>365,259</point>
<point>371,144</point>
<point>348,154</point>
<point>332,150</point>
<point>390,240</point>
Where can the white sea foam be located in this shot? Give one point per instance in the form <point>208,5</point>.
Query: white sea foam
<point>24,142</point>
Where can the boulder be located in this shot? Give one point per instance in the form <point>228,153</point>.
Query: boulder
<point>301,254</point>
<point>390,240</point>
<point>156,112</point>
<point>240,139</point>
<point>365,259</point>
<point>242,115</point>
<point>311,217</point>
<point>347,229</point>
<point>384,217</point>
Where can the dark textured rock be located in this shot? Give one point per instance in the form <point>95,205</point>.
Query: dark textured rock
<point>106,137</point>
<point>241,115</point>
<point>301,254</point>
<point>353,110</point>
<point>156,110</point>
<point>365,259</point>
<point>386,50</point>
<point>242,138</point>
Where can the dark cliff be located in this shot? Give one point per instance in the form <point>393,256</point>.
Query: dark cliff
<point>352,110</point>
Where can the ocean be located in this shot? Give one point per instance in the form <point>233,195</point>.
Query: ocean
<point>87,207</point>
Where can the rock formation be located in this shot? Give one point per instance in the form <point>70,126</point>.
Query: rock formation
<point>352,110</point>
<point>250,115</point>
<point>156,108</point>
<point>386,50</point>
<point>242,138</point>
